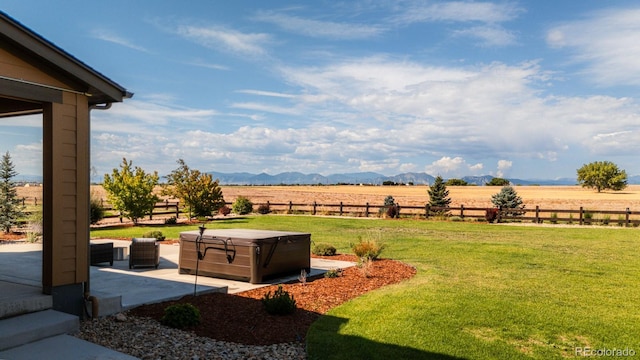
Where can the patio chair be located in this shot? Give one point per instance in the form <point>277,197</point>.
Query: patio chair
<point>144,252</point>
<point>101,253</point>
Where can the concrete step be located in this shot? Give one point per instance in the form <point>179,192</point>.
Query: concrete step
<point>17,299</point>
<point>63,347</point>
<point>27,328</point>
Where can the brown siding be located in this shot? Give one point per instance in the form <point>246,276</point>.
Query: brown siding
<point>67,169</point>
<point>16,68</point>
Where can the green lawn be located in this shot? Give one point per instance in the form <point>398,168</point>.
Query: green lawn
<point>481,292</point>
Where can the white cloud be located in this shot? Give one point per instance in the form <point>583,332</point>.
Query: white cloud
<point>452,167</point>
<point>265,108</point>
<point>489,36</point>
<point>266,93</point>
<point>321,29</point>
<point>503,167</point>
<point>110,36</point>
<point>606,42</point>
<point>220,38</point>
<point>460,11</point>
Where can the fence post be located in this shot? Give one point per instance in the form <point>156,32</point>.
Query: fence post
<point>177,210</point>
<point>166,204</point>
<point>23,201</point>
<point>366,211</point>
<point>35,201</point>
<point>537,214</point>
<point>462,211</point>
<point>340,208</point>
<point>427,209</point>
<point>290,206</point>
<point>626,220</point>
<point>398,211</point>
<point>581,213</point>
<point>315,204</point>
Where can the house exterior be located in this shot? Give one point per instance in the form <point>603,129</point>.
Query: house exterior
<point>37,77</point>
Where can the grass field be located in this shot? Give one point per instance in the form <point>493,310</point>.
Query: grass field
<point>481,291</point>
<point>550,197</point>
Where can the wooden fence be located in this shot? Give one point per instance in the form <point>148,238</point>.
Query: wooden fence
<point>538,214</point>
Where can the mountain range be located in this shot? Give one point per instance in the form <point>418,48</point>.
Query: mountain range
<point>368,178</point>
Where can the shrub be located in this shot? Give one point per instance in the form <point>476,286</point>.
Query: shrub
<point>154,234</point>
<point>224,211</point>
<point>393,211</point>
<point>280,303</point>
<point>264,209</point>
<point>242,206</point>
<point>509,201</point>
<point>171,221</point>
<point>369,249</point>
<point>96,211</point>
<point>180,316</point>
<point>491,215</point>
<point>333,273</point>
<point>324,249</point>
<point>365,265</point>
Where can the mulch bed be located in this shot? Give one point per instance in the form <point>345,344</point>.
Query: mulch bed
<point>241,318</point>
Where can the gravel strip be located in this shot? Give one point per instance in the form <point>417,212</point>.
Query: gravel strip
<point>147,339</point>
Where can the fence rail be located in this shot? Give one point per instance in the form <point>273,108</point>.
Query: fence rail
<point>538,214</point>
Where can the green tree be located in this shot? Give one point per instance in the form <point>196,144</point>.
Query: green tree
<point>496,181</point>
<point>456,182</point>
<point>197,190</point>
<point>602,175</point>
<point>438,193</point>
<point>508,200</point>
<point>11,209</point>
<point>130,191</point>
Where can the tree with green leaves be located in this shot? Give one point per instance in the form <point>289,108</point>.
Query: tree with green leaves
<point>509,201</point>
<point>438,194</point>
<point>602,175</point>
<point>130,190</point>
<point>197,190</point>
<point>11,209</point>
<point>456,182</point>
<point>496,181</point>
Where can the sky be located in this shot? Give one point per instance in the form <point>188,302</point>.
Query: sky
<point>518,89</point>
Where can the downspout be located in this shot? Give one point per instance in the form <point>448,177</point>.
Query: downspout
<point>95,306</point>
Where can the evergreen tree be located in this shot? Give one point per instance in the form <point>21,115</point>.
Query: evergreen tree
<point>10,208</point>
<point>438,194</point>
<point>508,200</point>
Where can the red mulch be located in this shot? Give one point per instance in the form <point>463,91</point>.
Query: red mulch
<point>241,318</point>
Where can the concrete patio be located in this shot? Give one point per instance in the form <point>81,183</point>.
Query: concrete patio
<point>30,329</point>
<point>120,288</point>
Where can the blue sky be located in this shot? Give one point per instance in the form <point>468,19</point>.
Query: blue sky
<point>522,89</point>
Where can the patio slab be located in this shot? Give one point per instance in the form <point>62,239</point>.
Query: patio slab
<point>21,263</point>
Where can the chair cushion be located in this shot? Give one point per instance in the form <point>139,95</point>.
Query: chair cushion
<point>143,240</point>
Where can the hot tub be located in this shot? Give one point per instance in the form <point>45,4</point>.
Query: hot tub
<point>244,254</point>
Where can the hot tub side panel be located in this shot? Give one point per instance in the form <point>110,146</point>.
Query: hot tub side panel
<point>283,255</point>
<point>214,263</point>
<point>255,259</point>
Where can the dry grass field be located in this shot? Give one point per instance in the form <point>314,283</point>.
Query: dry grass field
<point>547,197</point>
